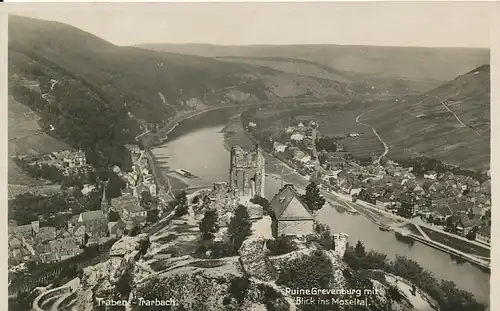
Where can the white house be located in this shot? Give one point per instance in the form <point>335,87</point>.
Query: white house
<point>430,176</point>
<point>152,189</point>
<point>483,235</point>
<point>355,191</point>
<point>87,189</point>
<point>279,147</point>
<point>74,159</point>
<point>305,159</point>
<point>297,137</point>
<point>409,176</point>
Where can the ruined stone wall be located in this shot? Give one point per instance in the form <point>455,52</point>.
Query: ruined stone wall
<point>247,171</point>
<point>298,228</point>
<point>261,172</point>
<point>223,199</point>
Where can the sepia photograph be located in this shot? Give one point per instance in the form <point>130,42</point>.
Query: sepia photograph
<point>249,156</point>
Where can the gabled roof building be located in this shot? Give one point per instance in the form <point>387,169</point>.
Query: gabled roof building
<point>291,216</point>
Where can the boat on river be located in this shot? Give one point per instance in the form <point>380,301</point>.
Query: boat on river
<point>384,228</point>
<point>185,173</point>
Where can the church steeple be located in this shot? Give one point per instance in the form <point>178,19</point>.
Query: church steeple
<point>105,201</point>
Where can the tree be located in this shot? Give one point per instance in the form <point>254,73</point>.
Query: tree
<point>135,231</point>
<point>208,225</point>
<point>314,270</point>
<point>262,202</point>
<point>144,246</point>
<point>182,205</point>
<point>152,215</point>
<point>146,199</point>
<point>375,260</point>
<point>123,285</point>
<point>239,227</point>
<point>313,197</point>
<point>324,236</point>
<point>196,199</point>
<point>115,185</point>
<point>114,216</point>
<point>360,250</point>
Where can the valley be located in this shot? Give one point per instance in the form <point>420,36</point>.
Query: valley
<point>301,161</point>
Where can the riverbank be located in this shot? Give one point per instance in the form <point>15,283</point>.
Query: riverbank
<point>168,185</point>
<point>480,263</point>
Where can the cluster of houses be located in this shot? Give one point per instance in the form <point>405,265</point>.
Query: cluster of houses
<point>32,243</point>
<point>68,162</point>
<point>299,146</point>
<point>436,197</point>
<point>139,181</point>
<point>140,178</point>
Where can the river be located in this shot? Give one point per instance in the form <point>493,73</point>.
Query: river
<point>198,146</point>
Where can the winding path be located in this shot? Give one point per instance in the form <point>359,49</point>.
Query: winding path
<point>456,117</point>
<point>386,147</point>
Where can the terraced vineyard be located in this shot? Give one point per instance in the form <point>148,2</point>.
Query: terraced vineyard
<point>363,146</point>
<point>344,122</point>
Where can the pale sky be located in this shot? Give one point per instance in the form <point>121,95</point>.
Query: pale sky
<point>443,24</point>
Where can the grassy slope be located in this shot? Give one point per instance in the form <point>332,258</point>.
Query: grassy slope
<point>439,134</point>
<point>440,64</point>
<point>23,137</point>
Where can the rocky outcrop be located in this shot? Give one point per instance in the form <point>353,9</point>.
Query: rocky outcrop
<point>208,290</point>
<point>247,282</point>
<point>253,258</point>
<point>100,281</point>
<point>127,245</point>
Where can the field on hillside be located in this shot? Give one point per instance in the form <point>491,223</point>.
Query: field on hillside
<point>293,66</point>
<point>343,122</point>
<point>450,123</point>
<point>358,83</point>
<point>25,136</point>
<point>438,135</point>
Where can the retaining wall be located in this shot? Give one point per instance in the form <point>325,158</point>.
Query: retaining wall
<point>38,302</point>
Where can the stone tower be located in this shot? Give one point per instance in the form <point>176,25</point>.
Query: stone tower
<point>247,172</point>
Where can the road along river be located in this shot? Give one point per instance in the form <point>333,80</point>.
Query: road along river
<point>197,145</point>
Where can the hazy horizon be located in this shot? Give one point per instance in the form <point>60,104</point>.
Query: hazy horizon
<point>390,24</point>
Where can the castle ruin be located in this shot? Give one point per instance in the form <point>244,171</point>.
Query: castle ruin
<point>247,172</point>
